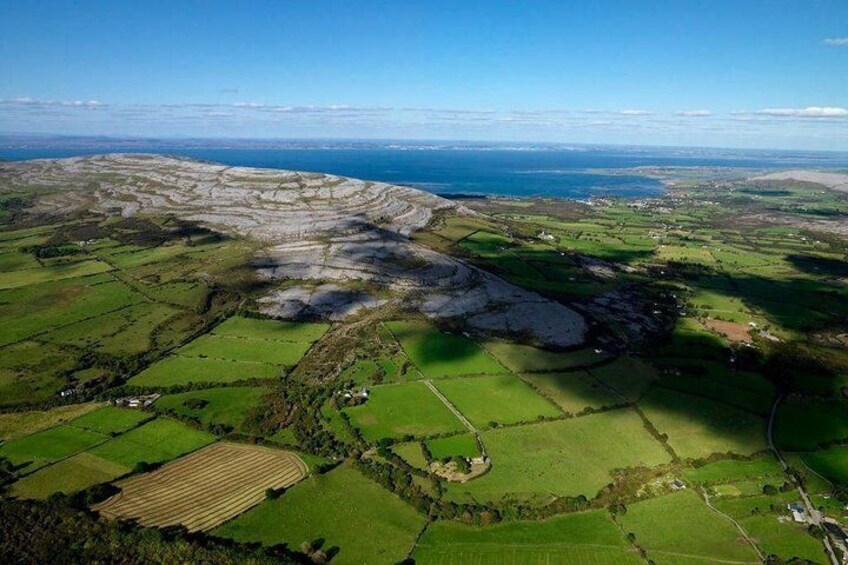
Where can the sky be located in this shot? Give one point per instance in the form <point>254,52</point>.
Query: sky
<point>742,73</point>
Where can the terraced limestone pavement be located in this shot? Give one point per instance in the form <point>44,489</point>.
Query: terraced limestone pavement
<point>318,227</point>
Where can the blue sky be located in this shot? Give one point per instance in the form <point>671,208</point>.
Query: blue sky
<point>745,73</point>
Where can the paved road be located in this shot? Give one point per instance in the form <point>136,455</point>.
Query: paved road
<point>812,512</point>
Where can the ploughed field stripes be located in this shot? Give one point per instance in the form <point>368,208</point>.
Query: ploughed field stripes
<point>206,488</point>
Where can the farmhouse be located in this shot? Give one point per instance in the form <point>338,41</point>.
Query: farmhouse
<point>798,512</point>
<point>142,401</point>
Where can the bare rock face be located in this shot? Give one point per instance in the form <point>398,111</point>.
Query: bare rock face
<point>321,228</point>
<point>833,181</point>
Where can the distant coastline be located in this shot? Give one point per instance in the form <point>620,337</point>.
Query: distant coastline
<point>454,168</point>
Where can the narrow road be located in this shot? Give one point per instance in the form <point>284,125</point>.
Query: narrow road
<point>458,414</point>
<point>812,512</point>
<point>735,523</point>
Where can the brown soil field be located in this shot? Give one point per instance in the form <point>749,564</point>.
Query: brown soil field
<point>737,333</point>
<point>204,489</point>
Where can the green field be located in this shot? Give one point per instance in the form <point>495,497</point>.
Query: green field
<point>228,406</point>
<point>347,510</point>
<point>439,354</point>
<point>399,410</point>
<point>698,427</point>
<point>658,524</point>
<point>49,445</point>
<point>246,350</point>
<point>831,463</point>
<point>461,444</point>
<point>571,539</point>
<point>730,470</point>
<point>127,331</point>
<point>574,391</point>
<point>18,424</point>
<point>276,330</point>
<point>178,370</point>
<point>496,399</point>
<point>804,425</point>
<point>154,442</point>
<point>33,309</point>
<point>69,475</point>
<point>772,532</point>
<point>412,453</point>
<point>110,420</point>
<point>530,460</point>
<point>525,359</point>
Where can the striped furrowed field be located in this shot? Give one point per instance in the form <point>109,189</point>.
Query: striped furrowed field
<point>206,488</point>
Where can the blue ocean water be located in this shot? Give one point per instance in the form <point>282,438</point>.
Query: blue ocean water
<point>494,170</point>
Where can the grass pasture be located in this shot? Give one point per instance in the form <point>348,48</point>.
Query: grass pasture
<point>227,406</point>
<point>568,457</point>
<point>363,521</point>
<point>111,420</point>
<point>730,470</point>
<point>245,350</point>
<point>18,424</point>
<point>831,463</point>
<point>571,539</point>
<point>220,481</point>
<point>274,330</point>
<point>400,410</point>
<point>496,399</point>
<point>526,359</point>
<point>69,475</point>
<point>658,524</point>
<point>154,442</point>
<point>439,354</point>
<point>44,447</point>
<point>464,445</point>
<point>803,425</point>
<point>698,427</point>
<point>178,370</point>
<point>574,391</point>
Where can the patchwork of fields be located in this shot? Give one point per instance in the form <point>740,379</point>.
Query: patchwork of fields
<point>389,436</point>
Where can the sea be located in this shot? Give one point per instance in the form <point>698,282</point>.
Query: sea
<point>547,170</point>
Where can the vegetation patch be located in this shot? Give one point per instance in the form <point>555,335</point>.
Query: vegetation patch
<point>69,475</point>
<point>805,424</point>
<point>571,539</point>
<point>111,420</point>
<point>394,411</point>
<point>438,354</point>
<point>574,392</point>
<point>154,442</point>
<point>246,350</point>
<point>657,524</point>
<point>530,460</point>
<point>496,399</point>
<point>227,407</point>
<point>462,445</point>
<point>526,359</point>
<point>697,427</point>
<point>18,424</point>
<point>39,449</point>
<point>358,521</point>
<point>276,330</point>
<point>178,370</point>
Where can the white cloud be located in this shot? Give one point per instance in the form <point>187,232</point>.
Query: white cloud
<point>635,113</point>
<point>809,112</point>
<point>694,113</point>
<point>836,41</point>
<point>27,101</point>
